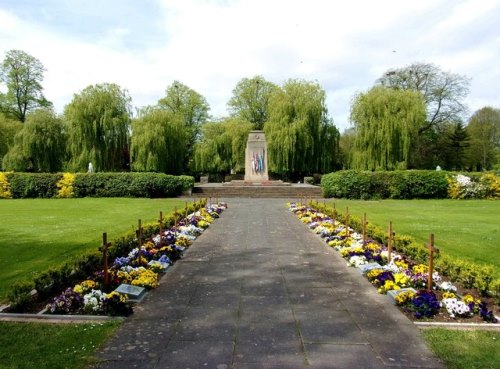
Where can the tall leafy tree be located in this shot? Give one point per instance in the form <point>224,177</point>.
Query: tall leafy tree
<point>222,147</point>
<point>443,92</point>
<point>386,122</point>
<point>40,145</point>
<point>158,142</point>
<point>484,131</point>
<point>250,100</point>
<point>301,137</point>
<point>191,108</point>
<point>454,143</point>
<point>8,129</point>
<point>23,76</point>
<point>98,125</point>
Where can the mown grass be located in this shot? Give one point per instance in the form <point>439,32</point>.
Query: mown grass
<point>467,229</point>
<point>38,233</point>
<point>51,346</point>
<point>465,349</point>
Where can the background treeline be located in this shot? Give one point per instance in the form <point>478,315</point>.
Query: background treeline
<point>413,118</point>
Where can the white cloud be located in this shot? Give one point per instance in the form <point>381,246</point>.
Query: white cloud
<point>210,45</point>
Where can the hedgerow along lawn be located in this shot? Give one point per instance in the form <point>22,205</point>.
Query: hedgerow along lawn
<point>38,233</point>
<point>467,229</point>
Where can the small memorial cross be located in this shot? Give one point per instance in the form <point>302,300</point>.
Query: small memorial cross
<point>160,221</point>
<point>389,242</point>
<point>138,233</point>
<point>364,229</point>
<point>432,250</point>
<point>104,249</point>
<point>347,215</point>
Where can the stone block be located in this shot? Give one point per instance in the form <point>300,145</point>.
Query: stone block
<point>365,268</point>
<point>393,293</point>
<point>133,293</point>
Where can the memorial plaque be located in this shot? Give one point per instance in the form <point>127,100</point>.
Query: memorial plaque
<point>133,293</point>
<point>393,293</point>
<point>256,157</point>
<point>365,268</point>
<point>156,262</point>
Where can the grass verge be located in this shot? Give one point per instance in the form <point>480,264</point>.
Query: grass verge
<point>463,228</point>
<point>38,233</point>
<point>465,349</point>
<point>51,346</point>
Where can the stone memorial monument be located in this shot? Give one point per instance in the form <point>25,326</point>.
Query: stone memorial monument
<point>256,158</point>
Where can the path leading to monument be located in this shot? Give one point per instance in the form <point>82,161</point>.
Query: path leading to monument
<point>259,290</point>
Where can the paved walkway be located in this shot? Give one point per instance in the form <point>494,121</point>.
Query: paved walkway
<point>259,290</point>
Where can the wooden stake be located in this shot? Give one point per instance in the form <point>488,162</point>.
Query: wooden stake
<point>364,229</point>
<point>389,242</point>
<point>138,233</point>
<point>104,249</point>
<point>161,228</point>
<point>186,210</point>
<point>432,250</point>
<point>347,221</point>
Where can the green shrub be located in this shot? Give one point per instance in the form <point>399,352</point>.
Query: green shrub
<point>33,185</point>
<point>409,184</point>
<point>309,180</point>
<point>20,295</point>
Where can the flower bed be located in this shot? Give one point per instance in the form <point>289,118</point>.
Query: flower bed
<point>402,278</point>
<point>141,269</point>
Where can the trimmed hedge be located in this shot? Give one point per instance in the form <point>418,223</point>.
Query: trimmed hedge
<point>409,184</point>
<point>44,185</point>
<point>470,275</point>
<point>60,276</point>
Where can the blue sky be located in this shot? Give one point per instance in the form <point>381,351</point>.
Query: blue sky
<point>210,45</point>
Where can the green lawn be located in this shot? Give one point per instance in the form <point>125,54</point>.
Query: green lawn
<point>37,233</point>
<point>467,349</point>
<point>467,229</point>
<point>51,346</point>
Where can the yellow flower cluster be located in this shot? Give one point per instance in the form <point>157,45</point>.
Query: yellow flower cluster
<point>372,246</point>
<point>345,252</point>
<point>374,273</point>
<point>404,297</point>
<point>467,299</point>
<point>4,187</point>
<point>401,264</point>
<point>449,295</point>
<point>492,181</point>
<point>401,279</point>
<point>65,185</point>
<point>388,286</point>
<point>123,298</point>
<point>85,287</point>
<point>420,269</point>
<point>183,241</point>
<point>144,278</point>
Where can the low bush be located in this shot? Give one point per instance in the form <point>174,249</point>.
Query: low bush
<point>410,184</point>
<point>47,185</point>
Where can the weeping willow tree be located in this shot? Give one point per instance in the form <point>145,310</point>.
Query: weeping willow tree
<point>8,130</point>
<point>158,142</point>
<point>222,147</point>
<point>39,146</point>
<point>386,122</point>
<point>301,138</point>
<point>98,124</point>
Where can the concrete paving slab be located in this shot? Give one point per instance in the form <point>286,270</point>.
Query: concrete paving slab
<point>259,290</point>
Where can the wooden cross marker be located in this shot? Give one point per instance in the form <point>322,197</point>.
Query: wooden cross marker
<point>389,242</point>
<point>364,229</point>
<point>175,221</point>
<point>160,221</point>
<point>347,221</point>
<point>104,249</point>
<point>138,233</point>
<point>432,250</point>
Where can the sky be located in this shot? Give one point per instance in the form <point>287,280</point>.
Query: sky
<point>210,45</point>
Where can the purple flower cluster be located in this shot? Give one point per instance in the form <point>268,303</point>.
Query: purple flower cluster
<point>68,302</point>
<point>425,304</point>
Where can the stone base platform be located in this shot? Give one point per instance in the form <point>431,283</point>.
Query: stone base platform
<point>256,183</point>
<point>256,189</point>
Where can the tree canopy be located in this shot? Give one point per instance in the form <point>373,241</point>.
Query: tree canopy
<point>444,92</point>
<point>159,141</point>
<point>223,146</point>
<point>301,138</point>
<point>40,145</point>
<point>98,125</point>
<point>484,146</point>
<point>387,122</point>
<point>8,129</point>
<point>250,100</point>
<point>23,76</point>
<point>191,108</point>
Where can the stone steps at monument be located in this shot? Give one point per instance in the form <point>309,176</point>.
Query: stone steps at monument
<point>257,191</point>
